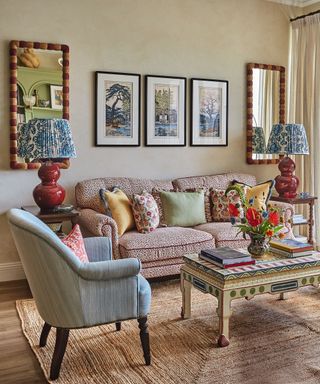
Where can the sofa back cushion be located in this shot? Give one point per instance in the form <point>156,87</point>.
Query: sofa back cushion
<point>220,181</point>
<point>87,191</point>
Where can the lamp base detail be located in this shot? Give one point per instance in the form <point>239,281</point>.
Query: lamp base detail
<point>48,194</point>
<point>287,183</point>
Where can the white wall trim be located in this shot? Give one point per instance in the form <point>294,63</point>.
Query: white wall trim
<point>11,271</point>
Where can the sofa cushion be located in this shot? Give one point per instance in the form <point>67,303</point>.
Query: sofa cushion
<point>164,243</point>
<point>184,209</point>
<point>87,191</point>
<point>120,207</point>
<point>220,181</point>
<point>145,212</point>
<point>222,233</point>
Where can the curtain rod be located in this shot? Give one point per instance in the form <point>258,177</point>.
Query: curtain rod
<point>303,16</point>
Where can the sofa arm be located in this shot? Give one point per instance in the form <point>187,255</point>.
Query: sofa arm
<point>111,269</point>
<point>100,225</point>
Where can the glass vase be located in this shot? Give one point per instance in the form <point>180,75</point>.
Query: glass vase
<point>258,246</point>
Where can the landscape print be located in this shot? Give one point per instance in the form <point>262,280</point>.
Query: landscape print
<point>166,110</point>
<point>210,110</point>
<point>118,101</point>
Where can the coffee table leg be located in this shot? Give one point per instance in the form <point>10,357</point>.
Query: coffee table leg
<point>283,296</point>
<point>186,298</point>
<point>224,313</point>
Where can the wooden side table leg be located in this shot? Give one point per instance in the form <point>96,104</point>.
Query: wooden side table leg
<point>224,313</point>
<point>311,222</point>
<point>185,287</point>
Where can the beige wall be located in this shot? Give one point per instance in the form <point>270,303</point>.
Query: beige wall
<point>193,38</point>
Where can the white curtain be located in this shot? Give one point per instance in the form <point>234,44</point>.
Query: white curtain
<point>304,101</point>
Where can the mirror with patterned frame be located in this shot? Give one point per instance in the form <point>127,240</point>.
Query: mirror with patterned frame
<point>265,107</point>
<point>39,88</point>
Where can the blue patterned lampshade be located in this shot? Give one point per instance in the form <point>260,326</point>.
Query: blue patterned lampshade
<point>45,139</point>
<point>258,140</point>
<point>289,139</point>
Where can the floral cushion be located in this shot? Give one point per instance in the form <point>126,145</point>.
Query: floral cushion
<point>74,241</point>
<point>145,212</point>
<point>220,203</point>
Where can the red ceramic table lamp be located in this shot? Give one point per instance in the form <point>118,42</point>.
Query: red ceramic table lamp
<point>287,139</point>
<point>47,140</point>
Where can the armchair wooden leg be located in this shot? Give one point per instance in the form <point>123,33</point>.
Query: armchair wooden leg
<point>59,350</point>
<point>118,325</point>
<point>44,334</point>
<point>144,337</point>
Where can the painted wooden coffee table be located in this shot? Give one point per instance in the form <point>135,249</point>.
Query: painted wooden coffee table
<point>272,274</point>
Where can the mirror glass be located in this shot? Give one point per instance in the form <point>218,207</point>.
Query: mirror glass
<point>266,100</point>
<point>39,88</point>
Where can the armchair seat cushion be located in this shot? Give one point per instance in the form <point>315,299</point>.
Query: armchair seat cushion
<point>225,234</point>
<point>163,243</point>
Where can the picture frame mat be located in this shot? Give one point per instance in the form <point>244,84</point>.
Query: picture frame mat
<point>209,141</point>
<point>151,139</point>
<point>101,139</point>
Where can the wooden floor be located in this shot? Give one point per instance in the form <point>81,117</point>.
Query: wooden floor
<point>17,361</point>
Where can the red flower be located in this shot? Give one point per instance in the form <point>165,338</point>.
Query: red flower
<point>253,216</point>
<point>274,218</point>
<point>233,210</point>
<point>269,233</point>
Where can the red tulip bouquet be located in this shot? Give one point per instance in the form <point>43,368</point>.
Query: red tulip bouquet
<point>260,224</point>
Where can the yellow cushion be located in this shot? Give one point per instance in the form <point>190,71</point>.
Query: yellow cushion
<point>120,208</point>
<point>258,195</point>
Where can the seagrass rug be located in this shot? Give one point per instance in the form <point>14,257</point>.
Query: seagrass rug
<point>272,342</point>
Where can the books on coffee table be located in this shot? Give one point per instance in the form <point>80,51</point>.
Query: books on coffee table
<point>290,248</point>
<point>226,257</point>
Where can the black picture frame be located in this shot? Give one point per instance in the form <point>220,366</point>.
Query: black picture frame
<point>219,89</point>
<point>151,137</point>
<point>109,137</point>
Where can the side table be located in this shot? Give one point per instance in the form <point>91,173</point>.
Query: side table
<point>301,200</point>
<point>53,220</point>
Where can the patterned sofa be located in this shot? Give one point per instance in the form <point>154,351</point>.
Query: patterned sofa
<point>160,251</point>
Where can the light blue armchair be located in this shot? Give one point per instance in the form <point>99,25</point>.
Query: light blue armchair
<point>71,294</point>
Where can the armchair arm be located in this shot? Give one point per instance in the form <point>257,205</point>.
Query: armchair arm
<point>100,225</point>
<point>111,269</point>
<point>98,248</point>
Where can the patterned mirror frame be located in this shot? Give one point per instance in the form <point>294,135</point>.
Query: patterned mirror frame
<point>14,45</point>
<point>282,107</point>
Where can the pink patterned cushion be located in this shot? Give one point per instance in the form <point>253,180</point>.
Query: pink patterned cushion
<point>220,203</point>
<point>75,242</point>
<point>145,212</point>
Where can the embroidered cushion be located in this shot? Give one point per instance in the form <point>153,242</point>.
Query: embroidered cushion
<point>156,195</point>
<point>118,206</point>
<point>220,203</point>
<point>74,241</point>
<point>258,195</point>
<point>184,209</point>
<point>145,212</point>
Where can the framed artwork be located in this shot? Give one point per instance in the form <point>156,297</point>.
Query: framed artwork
<point>56,95</point>
<point>117,109</point>
<point>209,112</point>
<point>165,111</point>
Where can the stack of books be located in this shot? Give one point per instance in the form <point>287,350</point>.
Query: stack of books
<point>226,257</point>
<point>299,219</point>
<point>290,248</point>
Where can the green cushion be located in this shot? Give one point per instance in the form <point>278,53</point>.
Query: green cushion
<point>183,209</point>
